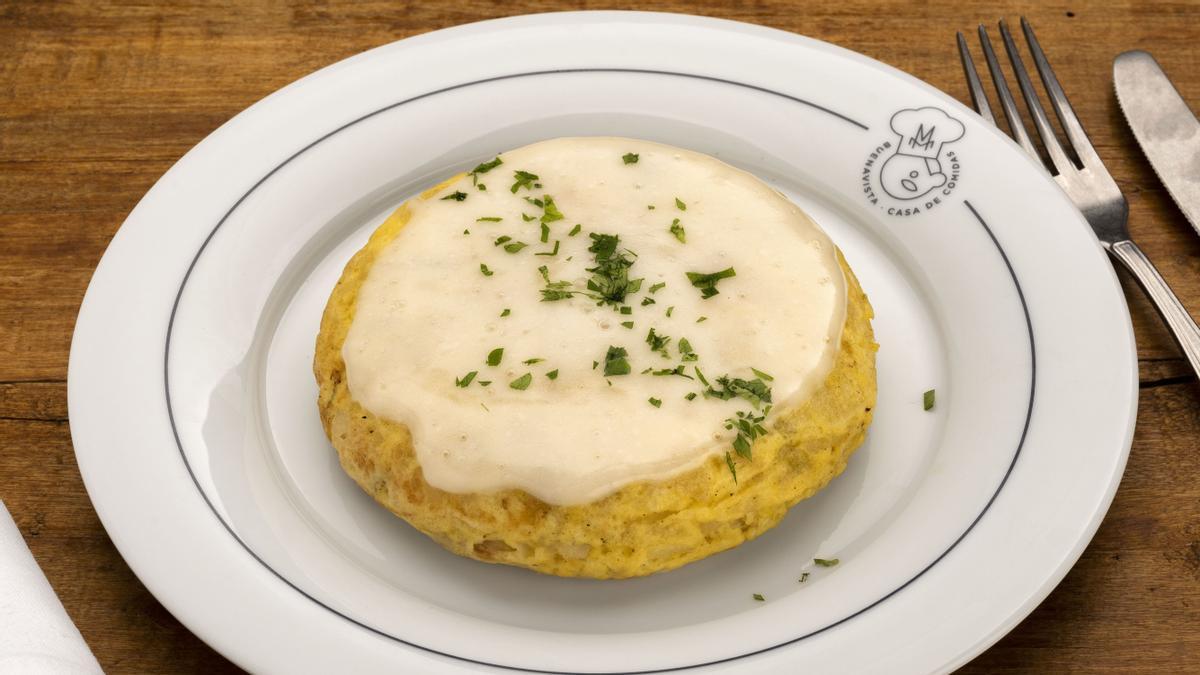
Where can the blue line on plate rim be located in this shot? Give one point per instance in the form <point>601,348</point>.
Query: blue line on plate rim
<point>384,634</point>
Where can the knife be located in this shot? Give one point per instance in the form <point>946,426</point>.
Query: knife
<point>1163,125</point>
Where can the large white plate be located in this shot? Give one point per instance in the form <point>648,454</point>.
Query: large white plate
<point>193,407</point>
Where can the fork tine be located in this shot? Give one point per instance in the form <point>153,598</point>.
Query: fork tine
<point>1007,104</point>
<point>1058,98</point>
<point>978,98</point>
<point>1058,156</point>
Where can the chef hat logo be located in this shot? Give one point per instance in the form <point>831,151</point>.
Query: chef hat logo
<point>914,170</point>
<point>923,131</point>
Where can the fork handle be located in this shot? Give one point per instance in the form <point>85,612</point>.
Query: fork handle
<point>1183,328</point>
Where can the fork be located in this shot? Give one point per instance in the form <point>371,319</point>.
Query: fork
<point>1084,178</point>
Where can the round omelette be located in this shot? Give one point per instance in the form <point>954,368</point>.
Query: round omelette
<point>598,357</point>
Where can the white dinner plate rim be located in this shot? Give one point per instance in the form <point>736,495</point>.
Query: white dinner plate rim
<point>501,24</point>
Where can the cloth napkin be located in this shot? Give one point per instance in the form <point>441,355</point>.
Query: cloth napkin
<point>36,635</point>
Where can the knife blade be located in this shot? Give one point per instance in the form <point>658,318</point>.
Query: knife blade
<point>1164,127</point>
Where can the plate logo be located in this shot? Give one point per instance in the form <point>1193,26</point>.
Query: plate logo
<point>915,171</point>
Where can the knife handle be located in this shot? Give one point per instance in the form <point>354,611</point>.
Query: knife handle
<point>1183,328</point>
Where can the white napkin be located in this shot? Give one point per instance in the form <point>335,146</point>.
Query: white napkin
<point>36,635</point>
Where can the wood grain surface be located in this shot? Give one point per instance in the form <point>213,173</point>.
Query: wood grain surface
<point>97,100</point>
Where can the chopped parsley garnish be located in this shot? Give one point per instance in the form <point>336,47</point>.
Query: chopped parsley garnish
<point>481,187</point>
<point>691,396</point>
<point>658,287</point>
<point>501,239</point>
<point>551,252</point>
<point>804,577</point>
<point>550,212</point>
<point>685,351</point>
<point>489,219</point>
<point>616,361</point>
<point>465,380</point>
<point>522,382</point>
<point>506,312</point>
<point>457,196</point>
<point>748,427</point>
<point>575,230</point>
<point>627,324</point>
<point>630,158</point>
<point>466,232</point>
<point>594,364</point>
<point>484,383</point>
<point>484,168</point>
<point>658,343</point>
<point>647,301</point>
<point>530,362</point>
<point>656,402</point>
<point>929,400</point>
<point>554,290</point>
<point>677,230</point>
<point>755,391</point>
<point>545,233</point>
<point>523,179</point>
<point>759,597</point>
<point>732,469</point>
<point>677,370</point>
<point>762,375</point>
<point>610,277</point>
<point>670,310</point>
<point>526,217</point>
<point>553,375</point>
<point>494,356</point>
<point>702,319</point>
<point>700,376</point>
<point>515,247</point>
<point>627,310</point>
<point>707,283</point>
<point>536,202</point>
<point>650,207</point>
<point>826,563</point>
<point>484,269</point>
<point>680,205</point>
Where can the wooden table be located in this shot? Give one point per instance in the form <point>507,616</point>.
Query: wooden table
<point>96,103</point>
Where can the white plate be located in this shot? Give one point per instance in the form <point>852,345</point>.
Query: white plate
<point>193,406</point>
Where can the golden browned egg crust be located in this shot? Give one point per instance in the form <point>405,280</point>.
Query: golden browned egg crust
<point>640,529</point>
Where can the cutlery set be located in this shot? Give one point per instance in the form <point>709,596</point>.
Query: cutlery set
<point>1163,125</point>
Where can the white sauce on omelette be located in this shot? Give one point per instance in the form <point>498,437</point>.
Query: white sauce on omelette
<point>427,316</point>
